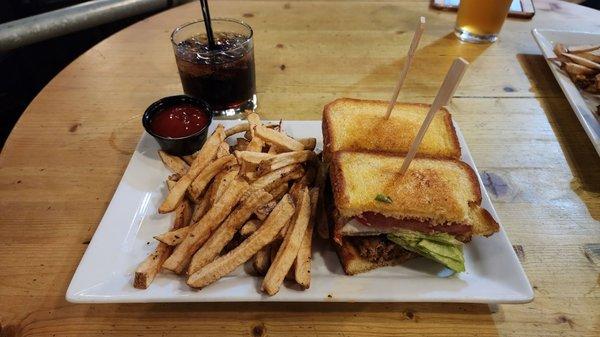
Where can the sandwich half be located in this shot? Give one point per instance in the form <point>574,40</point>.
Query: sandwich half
<point>355,125</point>
<point>381,218</point>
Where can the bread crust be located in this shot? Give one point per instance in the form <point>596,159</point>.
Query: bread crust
<point>330,141</point>
<point>472,178</point>
<point>452,130</point>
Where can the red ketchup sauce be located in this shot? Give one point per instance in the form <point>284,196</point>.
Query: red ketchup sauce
<point>179,121</point>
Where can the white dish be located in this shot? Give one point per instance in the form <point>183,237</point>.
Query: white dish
<point>124,238</point>
<point>584,104</point>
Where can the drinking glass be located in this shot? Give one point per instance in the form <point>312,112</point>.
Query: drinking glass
<point>222,76</point>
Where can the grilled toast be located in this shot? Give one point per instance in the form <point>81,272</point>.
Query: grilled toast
<point>437,191</point>
<point>354,125</point>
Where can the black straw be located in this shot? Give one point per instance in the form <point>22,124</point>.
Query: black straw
<point>207,24</point>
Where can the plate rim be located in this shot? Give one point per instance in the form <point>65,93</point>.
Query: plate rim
<point>577,103</point>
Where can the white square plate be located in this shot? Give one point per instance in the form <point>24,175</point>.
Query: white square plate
<point>584,104</point>
<point>124,238</point>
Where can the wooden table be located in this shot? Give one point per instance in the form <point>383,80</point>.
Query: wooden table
<point>61,164</point>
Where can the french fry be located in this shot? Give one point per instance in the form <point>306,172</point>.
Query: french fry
<point>219,239</point>
<point>241,144</point>
<point>242,253</point>
<point>255,145</point>
<point>221,182</point>
<point>183,214</point>
<point>174,178</point>
<point>249,227</point>
<point>577,69</point>
<point>309,176</point>
<point>262,260</point>
<point>274,248</point>
<point>279,191</point>
<point>202,230</point>
<point>188,159</point>
<point>559,50</point>
<point>205,177</point>
<point>253,120</point>
<point>173,237</point>
<point>583,61</point>
<point>181,228</point>
<point>273,149</point>
<point>173,163</point>
<point>147,270</point>
<point>304,257</point>
<point>309,143</point>
<point>285,159</point>
<point>200,209</point>
<point>295,190</point>
<point>280,139</point>
<point>276,127</point>
<point>594,57</point>
<point>264,211</point>
<point>583,48</point>
<point>289,247</point>
<point>243,127</point>
<point>223,150</point>
<point>252,157</point>
<point>274,178</point>
<point>171,184</point>
<point>275,245</point>
<point>204,157</point>
<point>297,174</point>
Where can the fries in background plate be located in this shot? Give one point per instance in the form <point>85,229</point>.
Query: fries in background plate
<point>582,64</point>
<point>247,194</point>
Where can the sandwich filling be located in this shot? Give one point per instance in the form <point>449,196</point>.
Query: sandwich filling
<point>376,249</point>
<point>437,243</point>
<point>372,219</point>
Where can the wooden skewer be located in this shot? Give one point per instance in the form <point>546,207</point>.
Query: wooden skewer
<point>442,98</point>
<point>409,57</point>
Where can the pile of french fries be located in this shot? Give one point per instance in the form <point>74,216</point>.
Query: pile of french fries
<point>255,200</point>
<point>582,64</point>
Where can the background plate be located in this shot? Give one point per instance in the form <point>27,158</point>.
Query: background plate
<point>583,103</point>
<point>124,238</point>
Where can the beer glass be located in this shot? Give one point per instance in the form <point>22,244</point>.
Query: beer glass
<point>480,21</point>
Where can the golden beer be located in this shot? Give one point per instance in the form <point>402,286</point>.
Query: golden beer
<point>481,20</point>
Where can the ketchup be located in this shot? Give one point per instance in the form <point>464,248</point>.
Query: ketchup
<point>179,121</point>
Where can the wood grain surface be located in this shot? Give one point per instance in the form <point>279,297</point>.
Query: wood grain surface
<point>61,165</point>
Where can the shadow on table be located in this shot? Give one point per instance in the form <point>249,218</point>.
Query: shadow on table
<point>579,152</point>
<point>388,73</point>
<point>338,318</point>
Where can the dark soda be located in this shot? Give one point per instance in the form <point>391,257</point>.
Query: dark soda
<point>224,76</point>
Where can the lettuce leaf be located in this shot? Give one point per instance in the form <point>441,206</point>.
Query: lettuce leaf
<point>442,248</point>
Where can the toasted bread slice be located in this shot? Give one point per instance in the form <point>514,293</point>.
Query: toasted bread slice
<point>354,125</point>
<point>353,263</point>
<point>439,191</point>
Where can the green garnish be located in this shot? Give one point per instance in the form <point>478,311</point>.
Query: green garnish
<point>383,198</point>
